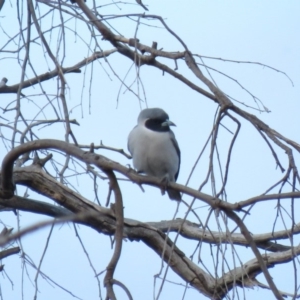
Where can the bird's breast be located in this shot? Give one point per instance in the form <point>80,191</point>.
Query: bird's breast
<point>153,153</point>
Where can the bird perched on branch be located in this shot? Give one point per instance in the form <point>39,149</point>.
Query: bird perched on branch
<point>154,148</point>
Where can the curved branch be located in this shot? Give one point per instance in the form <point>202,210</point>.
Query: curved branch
<point>91,158</point>
<point>104,221</point>
<point>252,268</point>
<point>118,209</point>
<point>103,163</point>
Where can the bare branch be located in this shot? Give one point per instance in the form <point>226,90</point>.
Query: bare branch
<point>8,252</point>
<point>46,76</point>
<point>118,210</point>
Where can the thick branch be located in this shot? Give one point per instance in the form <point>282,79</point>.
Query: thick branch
<point>103,163</point>
<point>8,252</point>
<point>192,231</point>
<point>104,221</point>
<point>252,268</point>
<point>35,178</point>
<point>35,206</point>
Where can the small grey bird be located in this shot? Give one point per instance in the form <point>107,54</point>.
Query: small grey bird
<point>154,148</point>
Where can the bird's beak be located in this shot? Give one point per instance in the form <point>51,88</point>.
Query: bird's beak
<point>168,123</point>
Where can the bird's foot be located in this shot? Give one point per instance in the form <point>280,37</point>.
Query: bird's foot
<point>164,184</point>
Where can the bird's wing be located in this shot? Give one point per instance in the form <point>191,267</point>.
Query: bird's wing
<point>175,144</point>
<point>130,140</point>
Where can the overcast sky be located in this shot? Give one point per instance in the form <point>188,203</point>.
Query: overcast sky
<point>266,32</point>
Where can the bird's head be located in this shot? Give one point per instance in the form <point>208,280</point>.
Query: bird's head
<point>155,119</point>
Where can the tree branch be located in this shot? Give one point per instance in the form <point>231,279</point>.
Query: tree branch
<point>119,213</point>
<point>103,220</point>
<point>6,89</point>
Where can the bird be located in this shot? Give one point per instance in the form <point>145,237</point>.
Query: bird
<point>154,149</point>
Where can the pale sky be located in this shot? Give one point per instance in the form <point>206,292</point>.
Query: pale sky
<point>266,32</point>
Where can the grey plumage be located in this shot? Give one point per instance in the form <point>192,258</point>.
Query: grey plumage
<point>154,148</point>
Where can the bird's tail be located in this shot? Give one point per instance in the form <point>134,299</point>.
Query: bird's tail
<point>173,194</point>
